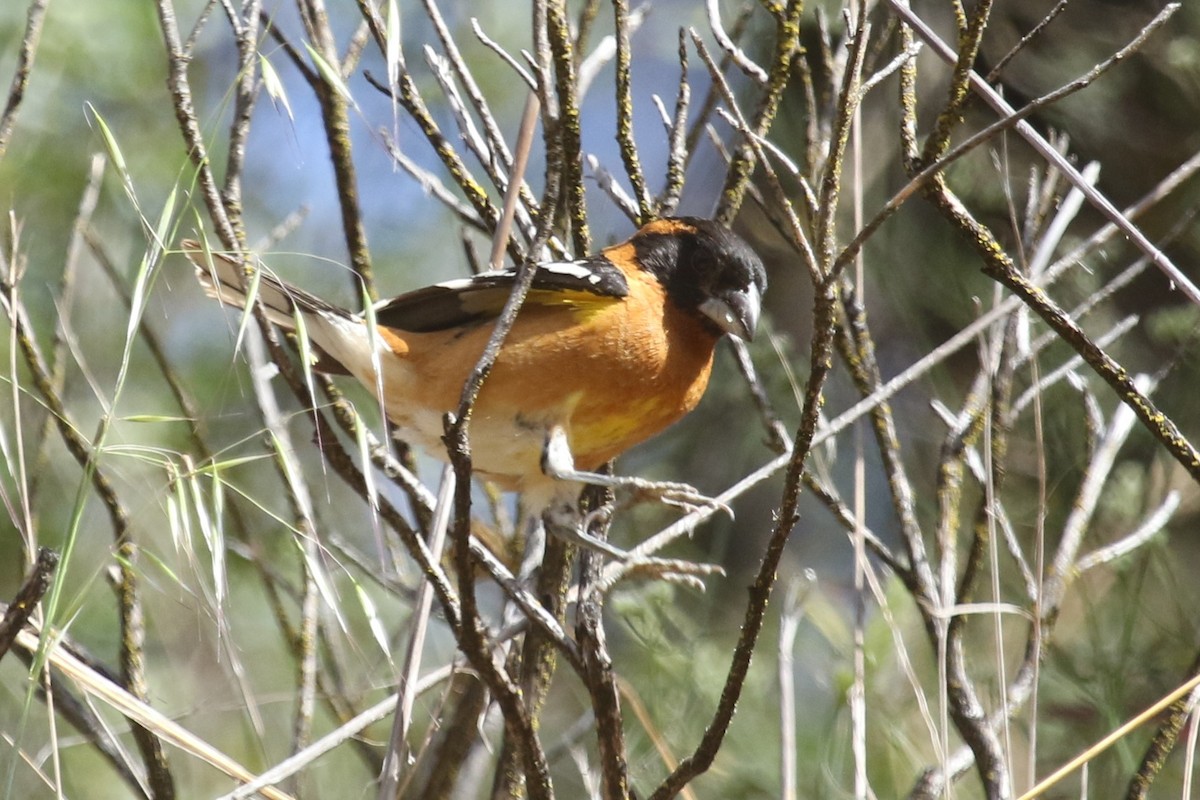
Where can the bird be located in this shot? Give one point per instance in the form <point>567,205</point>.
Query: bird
<point>606,352</point>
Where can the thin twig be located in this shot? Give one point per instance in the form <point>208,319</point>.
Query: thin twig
<point>1014,118</point>
<point>246,33</point>
<point>735,53</point>
<point>624,101</point>
<point>1178,279</point>
<point>473,639</point>
<point>166,729</point>
<point>34,18</point>
<point>1120,733</point>
<point>787,44</point>
<point>335,115</point>
<point>185,115</point>
<point>398,745</point>
<point>25,601</point>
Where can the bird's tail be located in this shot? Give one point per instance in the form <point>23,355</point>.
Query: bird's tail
<point>338,337</point>
<point>224,279</point>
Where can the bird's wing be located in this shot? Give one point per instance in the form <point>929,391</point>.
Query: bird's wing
<point>468,301</point>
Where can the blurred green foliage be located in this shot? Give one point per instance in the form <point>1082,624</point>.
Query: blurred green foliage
<point>1126,638</point>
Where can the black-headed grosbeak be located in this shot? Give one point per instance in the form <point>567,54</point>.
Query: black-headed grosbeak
<point>606,351</point>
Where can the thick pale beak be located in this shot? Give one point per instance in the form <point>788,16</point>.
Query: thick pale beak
<point>736,312</point>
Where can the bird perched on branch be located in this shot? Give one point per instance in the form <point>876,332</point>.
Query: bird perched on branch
<point>606,351</point>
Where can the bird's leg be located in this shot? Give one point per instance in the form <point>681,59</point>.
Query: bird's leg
<point>565,522</point>
<point>557,462</point>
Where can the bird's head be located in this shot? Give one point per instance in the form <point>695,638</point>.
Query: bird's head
<point>706,268</point>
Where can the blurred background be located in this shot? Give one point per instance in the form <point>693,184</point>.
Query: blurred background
<point>1127,636</point>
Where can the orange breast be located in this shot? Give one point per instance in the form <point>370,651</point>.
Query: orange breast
<point>613,373</point>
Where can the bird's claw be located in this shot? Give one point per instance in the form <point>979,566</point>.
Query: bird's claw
<point>677,495</point>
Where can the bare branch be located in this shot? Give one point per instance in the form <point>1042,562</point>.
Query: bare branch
<point>20,80</point>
